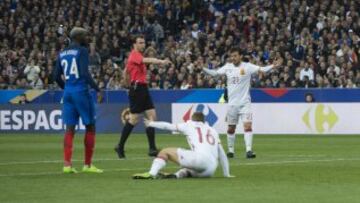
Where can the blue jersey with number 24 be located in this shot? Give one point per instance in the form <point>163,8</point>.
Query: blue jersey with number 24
<point>73,63</point>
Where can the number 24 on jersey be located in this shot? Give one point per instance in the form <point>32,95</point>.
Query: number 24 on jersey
<point>73,68</point>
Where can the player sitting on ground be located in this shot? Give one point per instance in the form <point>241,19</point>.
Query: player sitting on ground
<point>200,161</point>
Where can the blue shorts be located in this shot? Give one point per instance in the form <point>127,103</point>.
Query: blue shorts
<point>78,104</point>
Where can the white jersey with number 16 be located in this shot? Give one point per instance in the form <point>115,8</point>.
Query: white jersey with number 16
<point>201,137</point>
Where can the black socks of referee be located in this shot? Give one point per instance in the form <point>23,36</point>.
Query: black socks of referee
<point>150,132</point>
<point>125,134</point>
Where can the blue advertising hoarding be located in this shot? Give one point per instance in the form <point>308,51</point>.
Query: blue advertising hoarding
<point>46,118</point>
<point>196,95</point>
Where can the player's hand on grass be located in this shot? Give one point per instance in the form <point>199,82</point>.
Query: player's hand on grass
<point>147,122</point>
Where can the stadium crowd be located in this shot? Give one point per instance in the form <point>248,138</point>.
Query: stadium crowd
<point>318,40</point>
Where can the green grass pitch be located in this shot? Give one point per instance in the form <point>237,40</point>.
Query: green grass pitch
<point>288,169</point>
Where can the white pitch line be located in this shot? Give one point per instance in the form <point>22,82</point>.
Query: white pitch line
<point>295,161</point>
<point>32,162</point>
<point>142,169</point>
<point>61,161</point>
<point>300,156</point>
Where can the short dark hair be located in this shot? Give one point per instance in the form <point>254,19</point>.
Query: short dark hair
<point>77,31</point>
<point>236,49</point>
<point>311,96</point>
<point>135,37</point>
<point>198,116</point>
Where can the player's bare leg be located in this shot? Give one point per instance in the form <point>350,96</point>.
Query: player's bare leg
<point>231,140</point>
<point>128,127</point>
<point>68,149</point>
<point>248,138</point>
<point>167,154</point>
<point>150,132</point>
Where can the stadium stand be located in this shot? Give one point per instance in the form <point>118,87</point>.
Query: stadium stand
<point>318,40</point>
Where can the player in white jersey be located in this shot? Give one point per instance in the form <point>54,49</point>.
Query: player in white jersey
<point>238,75</point>
<point>202,158</point>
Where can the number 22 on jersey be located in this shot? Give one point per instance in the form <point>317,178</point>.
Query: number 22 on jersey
<point>209,138</point>
<point>73,68</point>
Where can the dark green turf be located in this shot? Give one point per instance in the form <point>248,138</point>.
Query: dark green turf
<point>288,169</point>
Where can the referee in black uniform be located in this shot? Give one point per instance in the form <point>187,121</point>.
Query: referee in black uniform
<point>139,97</point>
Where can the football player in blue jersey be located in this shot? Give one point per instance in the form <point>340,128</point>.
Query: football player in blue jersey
<point>72,75</point>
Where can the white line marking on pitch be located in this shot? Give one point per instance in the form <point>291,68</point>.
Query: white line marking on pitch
<point>116,159</point>
<point>239,164</point>
<point>61,161</point>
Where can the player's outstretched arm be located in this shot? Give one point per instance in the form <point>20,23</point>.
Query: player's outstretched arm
<point>210,72</point>
<point>276,64</point>
<point>224,162</point>
<point>218,72</point>
<point>160,125</point>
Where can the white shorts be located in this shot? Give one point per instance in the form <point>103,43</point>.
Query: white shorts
<point>234,112</point>
<point>200,165</point>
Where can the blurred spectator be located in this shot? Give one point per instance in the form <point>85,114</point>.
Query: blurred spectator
<point>319,41</point>
<point>94,58</point>
<point>37,83</point>
<point>32,71</point>
<point>309,98</point>
<point>159,32</point>
<point>23,99</point>
<point>306,71</point>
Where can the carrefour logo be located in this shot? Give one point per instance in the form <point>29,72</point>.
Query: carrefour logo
<point>210,115</point>
<point>321,118</point>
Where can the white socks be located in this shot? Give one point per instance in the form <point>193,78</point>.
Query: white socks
<point>156,166</point>
<point>231,142</point>
<point>248,138</point>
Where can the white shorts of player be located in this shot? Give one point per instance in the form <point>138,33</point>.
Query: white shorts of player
<point>234,112</point>
<point>199,165</point>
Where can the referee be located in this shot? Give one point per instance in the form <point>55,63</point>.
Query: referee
<point>139,97</point>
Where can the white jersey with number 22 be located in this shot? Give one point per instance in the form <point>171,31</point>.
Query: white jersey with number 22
<point>238,81</point>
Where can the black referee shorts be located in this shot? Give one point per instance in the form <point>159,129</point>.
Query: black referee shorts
<point>140,99</point>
